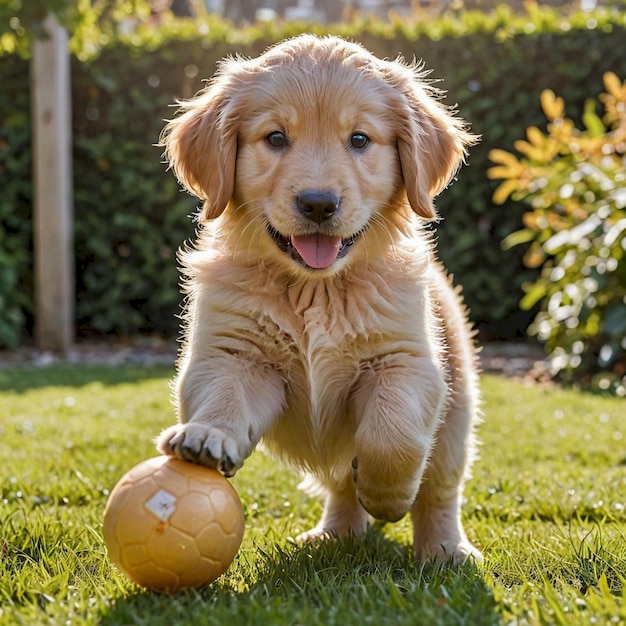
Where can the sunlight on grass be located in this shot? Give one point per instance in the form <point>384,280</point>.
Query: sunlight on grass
<point>546,505</point>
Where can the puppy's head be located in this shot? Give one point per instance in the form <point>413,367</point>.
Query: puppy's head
<point>312,147</point>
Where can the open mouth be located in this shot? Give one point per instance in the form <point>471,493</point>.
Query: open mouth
<point>316,251</point>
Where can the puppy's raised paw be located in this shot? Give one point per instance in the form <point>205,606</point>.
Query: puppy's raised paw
<point>383,501</point>
<point>205,445</point>
<point>384,505</point>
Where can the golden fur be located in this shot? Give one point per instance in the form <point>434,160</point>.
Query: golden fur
<point>318,318</point>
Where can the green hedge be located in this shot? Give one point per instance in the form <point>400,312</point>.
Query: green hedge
<point>16,281</point>
<point>131,216</point>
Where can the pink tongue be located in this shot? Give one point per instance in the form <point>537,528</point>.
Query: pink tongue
<point>317,251</point>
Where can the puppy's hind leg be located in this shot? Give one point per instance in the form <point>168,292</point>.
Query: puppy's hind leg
<point>438,532</point>
<point>343,514</point>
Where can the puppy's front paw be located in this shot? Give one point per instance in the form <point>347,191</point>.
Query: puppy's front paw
<point>205,445</point>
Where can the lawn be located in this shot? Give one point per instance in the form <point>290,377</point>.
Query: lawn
<point>547,506</point>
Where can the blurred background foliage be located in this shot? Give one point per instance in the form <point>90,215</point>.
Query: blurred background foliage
<point>575,183</point>
<point>130,63</point>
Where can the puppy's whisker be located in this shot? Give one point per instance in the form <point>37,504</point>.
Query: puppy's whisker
<point>251,234</point>
<point>384,226</point>
<point>241,207</point>
<point>260,224</point>
<point>241,232</point>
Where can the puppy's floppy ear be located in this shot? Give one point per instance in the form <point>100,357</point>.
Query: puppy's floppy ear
<point>431,141</point>
<point>201,146</point>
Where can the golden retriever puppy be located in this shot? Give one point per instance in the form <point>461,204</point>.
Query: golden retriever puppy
<point>318,318</point>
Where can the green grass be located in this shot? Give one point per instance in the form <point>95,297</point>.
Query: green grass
<point>547,505</point>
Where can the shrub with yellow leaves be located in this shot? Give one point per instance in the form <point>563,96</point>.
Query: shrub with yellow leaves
<point>575,182</point>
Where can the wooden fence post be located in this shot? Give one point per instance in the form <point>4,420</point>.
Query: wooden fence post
<point>53,189</point>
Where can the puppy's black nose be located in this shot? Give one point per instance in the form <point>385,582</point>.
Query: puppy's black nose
<point>317,206</point>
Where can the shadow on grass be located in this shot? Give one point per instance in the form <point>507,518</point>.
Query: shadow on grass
<point>344,582</point>
<point>21,379</point>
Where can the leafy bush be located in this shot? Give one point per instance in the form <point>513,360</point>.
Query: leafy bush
<point>131,215</point>
<point>16,281</point>
<point>575,182</point>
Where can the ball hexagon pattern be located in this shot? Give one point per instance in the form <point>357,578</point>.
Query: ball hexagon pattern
<point>170,524</point>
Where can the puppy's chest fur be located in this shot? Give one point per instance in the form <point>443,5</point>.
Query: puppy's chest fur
<point>320,336</point>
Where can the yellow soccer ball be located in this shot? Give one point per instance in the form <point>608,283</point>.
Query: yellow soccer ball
<point>170,524</point>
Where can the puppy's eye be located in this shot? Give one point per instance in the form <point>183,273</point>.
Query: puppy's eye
<point>277,139</point>
<point>359,140</point>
